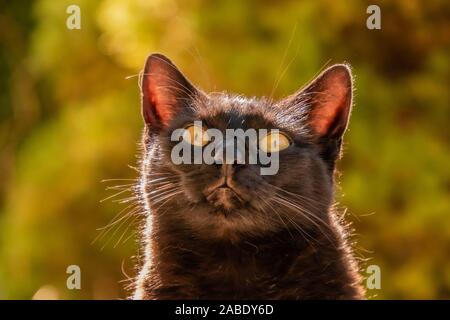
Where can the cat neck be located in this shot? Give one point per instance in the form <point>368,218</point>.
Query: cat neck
<point>292,264</point>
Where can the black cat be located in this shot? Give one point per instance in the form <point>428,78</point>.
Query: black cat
<point>225,231</point>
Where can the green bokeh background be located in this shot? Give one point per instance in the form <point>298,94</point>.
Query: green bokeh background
<point>70,117</point>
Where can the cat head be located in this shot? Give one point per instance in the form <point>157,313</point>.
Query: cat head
<point>232,199</point>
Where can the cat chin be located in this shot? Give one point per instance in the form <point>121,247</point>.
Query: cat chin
<point>214,223</point>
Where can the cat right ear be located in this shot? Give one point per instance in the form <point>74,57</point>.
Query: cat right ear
<point>325,106</point>
<point>326,102</point>
<point>165,91</point>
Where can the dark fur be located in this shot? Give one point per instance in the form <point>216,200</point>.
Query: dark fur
<point>213,243</point>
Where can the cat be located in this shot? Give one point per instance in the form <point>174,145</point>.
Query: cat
<point>223,230</point>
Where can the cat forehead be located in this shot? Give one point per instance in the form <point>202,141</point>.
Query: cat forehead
<point>220,104</point>
<point>222,110</point>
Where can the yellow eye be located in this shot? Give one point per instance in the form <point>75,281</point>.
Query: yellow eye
<point>195,135</point>
<point>274,142</point>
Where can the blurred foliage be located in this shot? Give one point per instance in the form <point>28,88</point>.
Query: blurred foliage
<point>70,117</point>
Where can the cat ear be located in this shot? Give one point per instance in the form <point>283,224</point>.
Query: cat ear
<point>165,91</point>
<point>329,101</point>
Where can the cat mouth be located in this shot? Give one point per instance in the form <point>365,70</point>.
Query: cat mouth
<point>225,198</point>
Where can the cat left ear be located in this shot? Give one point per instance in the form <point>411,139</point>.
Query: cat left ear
<point>165,91</point>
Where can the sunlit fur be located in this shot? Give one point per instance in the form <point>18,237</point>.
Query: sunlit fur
<point>263,237</point>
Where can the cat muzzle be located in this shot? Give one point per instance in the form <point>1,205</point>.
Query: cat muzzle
<point>224,198</point>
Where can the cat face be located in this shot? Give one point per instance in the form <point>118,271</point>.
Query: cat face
<point>232,199</point>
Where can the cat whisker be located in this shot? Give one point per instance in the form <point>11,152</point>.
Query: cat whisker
<point>293,222</point>
<point>105,230</point>
<point>306,214</point>
<point>114,195</point>
<point>162,204</point>
<point>278,79</point>
<point>127,199</point>
<point>296,194</point>
<point>159,181</point>
<point>159,174</point>
<point>131,214</point>
<point>304,210</point>
<point>128,278</point>
<point>166,196</point>
<point>157,193</point>
<point>296,225</point>
<point>276,212</point>
<point>118,226</point>
<point>108,180</point>
<point>297,205</point>
<point>118,188</point>
<point>129,237</point>
<point>163,186</point>
<point>134,168</point>
<point>302,231</point>
<point>123,185</point>
<point>300,205</point>
<point>115,220</point>
<point>125,231</point>
<point>130,187</point>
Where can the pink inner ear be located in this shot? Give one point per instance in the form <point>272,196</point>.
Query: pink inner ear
<point>164,91</point>
<point>331,106</point>
<point>162,101</point>
<point>331,101</point>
